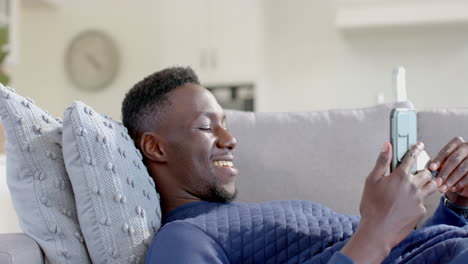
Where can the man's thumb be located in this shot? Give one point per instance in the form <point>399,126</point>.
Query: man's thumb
<point>383,162</point>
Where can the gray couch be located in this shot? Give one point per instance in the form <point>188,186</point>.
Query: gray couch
<point>319,156</point>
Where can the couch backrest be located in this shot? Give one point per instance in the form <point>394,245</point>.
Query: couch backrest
<point>324,156</point>
<point>437,126</point>
<point>321,156</point>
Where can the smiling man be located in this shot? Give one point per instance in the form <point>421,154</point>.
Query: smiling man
<point>191,161</point>
<point>182,133</point>
<point>181,130</point>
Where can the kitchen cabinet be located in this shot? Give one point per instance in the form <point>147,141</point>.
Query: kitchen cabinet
<point>220,39</point>
<point>357,15</point>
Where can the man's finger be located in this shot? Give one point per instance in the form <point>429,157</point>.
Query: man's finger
<point>422,178</point>
<point>462,183</point>
<point>383,162</point>
<point>428,189</point>
<point>453,176</point>
<point>450,163</point>
<point>445,152</point>
<point>410,157</point>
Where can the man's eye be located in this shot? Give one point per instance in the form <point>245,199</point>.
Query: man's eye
<point>205,128</point>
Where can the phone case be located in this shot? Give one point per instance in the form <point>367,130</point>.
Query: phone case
<point>403,133</point>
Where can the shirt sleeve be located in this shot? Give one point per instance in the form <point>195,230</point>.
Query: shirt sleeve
<point>179,242</point>
<point>340,258</point>
<point>444,215</point>
<point>461,258</point>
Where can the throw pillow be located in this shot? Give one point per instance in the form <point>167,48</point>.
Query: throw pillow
<point>38,183</point>
<point>118,206</point>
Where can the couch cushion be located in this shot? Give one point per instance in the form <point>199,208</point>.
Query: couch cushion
<point>38,183</point>
<point>117,203</point>
<point>20,249</point>
<point>436,127</point>
<point>322,156</point>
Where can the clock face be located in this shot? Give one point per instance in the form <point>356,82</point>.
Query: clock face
<point>92,60</point>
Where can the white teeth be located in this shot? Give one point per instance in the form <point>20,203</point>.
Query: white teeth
<point>223,163</point>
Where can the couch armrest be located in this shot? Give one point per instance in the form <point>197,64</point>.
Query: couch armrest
<point>19,249</point>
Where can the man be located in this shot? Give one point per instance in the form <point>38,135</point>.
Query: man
<point>181,130</point>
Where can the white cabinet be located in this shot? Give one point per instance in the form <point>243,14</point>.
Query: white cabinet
<point>236,39</point>
<point>220,39</point>
<point>356,15</point>
<point>179,30</point>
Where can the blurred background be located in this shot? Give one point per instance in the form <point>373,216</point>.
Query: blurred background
<point>262,55</point>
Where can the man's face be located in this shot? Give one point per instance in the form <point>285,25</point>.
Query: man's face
<point>200,148</point>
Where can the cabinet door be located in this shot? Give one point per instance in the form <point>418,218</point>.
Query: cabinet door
<point>182,33</point>
<point>235,36</point>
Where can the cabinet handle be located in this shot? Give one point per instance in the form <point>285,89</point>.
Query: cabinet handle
<point>214,58</point>
<point>204,59</point>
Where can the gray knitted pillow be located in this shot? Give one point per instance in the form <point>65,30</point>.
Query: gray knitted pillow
<point>38,183</point>
<point>117,203</point>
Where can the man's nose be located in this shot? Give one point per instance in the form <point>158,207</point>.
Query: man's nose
<point>226,140</point>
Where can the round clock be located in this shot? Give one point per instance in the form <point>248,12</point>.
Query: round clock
<point>92,60</point>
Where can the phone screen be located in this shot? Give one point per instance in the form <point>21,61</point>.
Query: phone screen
<point>403,128</point>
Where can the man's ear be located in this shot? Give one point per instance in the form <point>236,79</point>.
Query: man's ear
<point>152,147</point>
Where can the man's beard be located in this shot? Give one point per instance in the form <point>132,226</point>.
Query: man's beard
<point>216,193</point>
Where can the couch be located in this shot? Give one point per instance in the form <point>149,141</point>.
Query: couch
<point>321,156</point>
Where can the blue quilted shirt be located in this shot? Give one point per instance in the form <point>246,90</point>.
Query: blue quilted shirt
<point>291,232</point>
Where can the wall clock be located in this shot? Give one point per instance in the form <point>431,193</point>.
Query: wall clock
<point>92,60</point>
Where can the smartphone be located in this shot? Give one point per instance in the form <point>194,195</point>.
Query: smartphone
<point>403,131</point>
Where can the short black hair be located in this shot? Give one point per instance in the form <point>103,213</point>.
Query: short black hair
<point>147,99</point>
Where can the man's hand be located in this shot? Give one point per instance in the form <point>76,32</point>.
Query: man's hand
<point>395,202</point>
<point>452,163</point>
<point>391,206</point>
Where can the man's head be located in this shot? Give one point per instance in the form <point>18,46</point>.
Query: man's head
<point>180,129</point>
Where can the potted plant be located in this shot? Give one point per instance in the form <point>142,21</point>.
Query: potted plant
<point>4,78</point>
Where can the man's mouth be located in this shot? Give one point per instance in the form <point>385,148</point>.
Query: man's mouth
<point>223,163</point>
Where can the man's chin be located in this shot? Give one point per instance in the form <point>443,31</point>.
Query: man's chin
<point>221,195</point>
<point>232,196</point>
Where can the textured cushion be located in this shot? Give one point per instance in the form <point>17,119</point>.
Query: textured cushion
<point>117,203</point>
<point>36,177</point>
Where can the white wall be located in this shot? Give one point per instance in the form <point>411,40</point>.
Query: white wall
<point>8,221</point>
<point>308,63</point>
<point>45,33</point>
<point>311,65</point>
